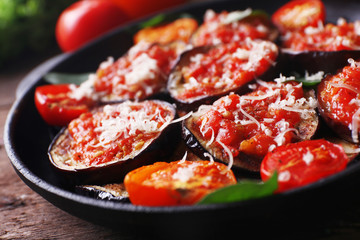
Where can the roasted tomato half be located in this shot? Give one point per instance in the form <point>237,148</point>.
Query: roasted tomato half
<point>208,72</point>
<point>141,73</point>
<point>240,130</point>
<point>299,164</point>
<point>227,27</point>
<point>113,140</point>
<point>339,101</point>
<point>180,29</point>
<point>58,105</point>
<point>176,183</point>
<point>299,14</point>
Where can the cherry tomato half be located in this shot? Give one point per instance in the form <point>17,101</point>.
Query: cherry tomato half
<point>299,14</point>
<point>85,20</point>
<point>180,29</point>
<point>299,164</point>
<point>176,183</point>
<point>56,107</point>
<point>139,8</point>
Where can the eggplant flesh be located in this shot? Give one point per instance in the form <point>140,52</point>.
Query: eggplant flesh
<point>157,148</point>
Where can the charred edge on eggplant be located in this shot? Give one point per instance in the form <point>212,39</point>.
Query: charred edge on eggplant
<point>159,149</point>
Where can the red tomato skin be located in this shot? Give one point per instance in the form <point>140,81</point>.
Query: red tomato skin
<point>284,22</point>
<point>85,20</point>
<point>328,159</point>
<point>153,185</point>
<point>140,8</point>
<point>48,101</point>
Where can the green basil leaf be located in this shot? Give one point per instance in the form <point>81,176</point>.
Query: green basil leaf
<point>260,13</point>
<point>163,18</point>
<point>153,21</point>
<point>66,78</point>
<point>242,191</point>
<point>308,83</point>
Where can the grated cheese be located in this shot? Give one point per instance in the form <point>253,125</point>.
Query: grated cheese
<point>229,153</point>
<point>124,121</point>
<point>235,16</point>
<point>209,156</point>
<point>314,77</point>
<point>284,176</point>
<point>308,157</point>
<point>184,174</point>
<point>143,67</point>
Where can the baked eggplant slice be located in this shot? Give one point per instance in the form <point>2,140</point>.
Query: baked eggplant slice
<point>339,101</point>
<point>203,74</point>
<point>102,146</point>
<point>140,74</point>
<point>323,48</point>
<point>113,192</point>
<point>235,26</point>
<point>240,130</point>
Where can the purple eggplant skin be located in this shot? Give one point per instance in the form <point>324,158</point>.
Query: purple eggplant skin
<point>160,149</point>
<point>314,61</point>
<point>176,79</point>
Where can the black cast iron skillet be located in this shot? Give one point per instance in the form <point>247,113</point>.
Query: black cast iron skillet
<point>27,139</point>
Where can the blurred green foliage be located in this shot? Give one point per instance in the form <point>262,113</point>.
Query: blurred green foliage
<point>28,25</point>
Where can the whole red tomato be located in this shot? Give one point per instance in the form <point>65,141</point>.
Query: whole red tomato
<point>85,20</point>
<point>139,8</point>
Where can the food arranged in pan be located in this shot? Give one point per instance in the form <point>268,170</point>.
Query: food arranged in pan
<point>238,106</point>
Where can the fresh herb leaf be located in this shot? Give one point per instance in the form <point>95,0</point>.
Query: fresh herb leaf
<point>162,18</point>
<point>66,78</point>
<point>242,191</point>
<point>153,21</point>
<point>260,13</point>
<point>307,82</point>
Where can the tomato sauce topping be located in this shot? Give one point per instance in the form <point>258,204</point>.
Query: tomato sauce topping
<point>118,132</point>
<point>225,67</point>
<point>331,37</point>
<point>256,122</point>
<point>226,27</point>
<point>339,97</point>
<point>140,73</point>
